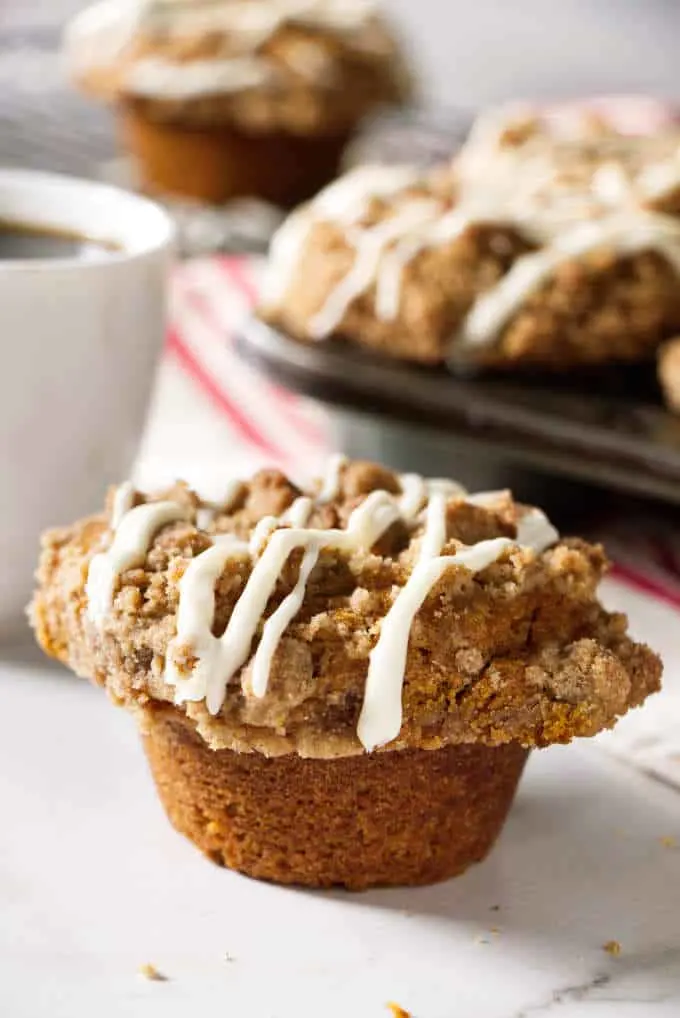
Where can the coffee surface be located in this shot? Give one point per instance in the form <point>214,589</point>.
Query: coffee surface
<point>26,242</point>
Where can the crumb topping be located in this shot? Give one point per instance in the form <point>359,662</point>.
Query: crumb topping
<point>513,647</point>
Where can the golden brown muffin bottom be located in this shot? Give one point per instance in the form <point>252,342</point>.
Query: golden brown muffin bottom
<point>217,163</point>
<point>392,818</point>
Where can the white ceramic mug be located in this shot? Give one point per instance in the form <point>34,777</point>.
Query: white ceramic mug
<point>80,340</point>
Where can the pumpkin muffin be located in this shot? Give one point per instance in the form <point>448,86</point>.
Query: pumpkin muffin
<point>219,99</point>
<point>339,686</point>
<point>535,248</point>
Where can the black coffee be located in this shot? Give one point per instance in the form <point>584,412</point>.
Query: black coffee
<point>22,241</point>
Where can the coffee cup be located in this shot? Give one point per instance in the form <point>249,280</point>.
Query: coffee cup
<point>81,336</point>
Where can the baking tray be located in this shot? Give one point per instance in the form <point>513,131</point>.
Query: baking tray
<point>607,427</point>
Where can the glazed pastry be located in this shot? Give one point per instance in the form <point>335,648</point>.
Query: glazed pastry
<point>225,98</point>
<point>531,250</point>
<point>339,685</point>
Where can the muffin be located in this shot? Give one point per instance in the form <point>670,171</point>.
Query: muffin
<point>533,249</point>
<point>340,685</point>
<point>218,99</point>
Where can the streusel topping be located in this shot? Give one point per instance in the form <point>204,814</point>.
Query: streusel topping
<point>372,610</point>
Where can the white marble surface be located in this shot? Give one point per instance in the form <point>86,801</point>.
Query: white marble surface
<point>94,883</point>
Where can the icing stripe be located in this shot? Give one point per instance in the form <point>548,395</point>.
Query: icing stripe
<point>344,202</point>
<point>331,482</point>
<point>381,714</point>
<point>623,234</point>
<point>133,536</point>
<point>370,245</point>
<point>122,503</point>
<point>276,624</point>
<point>195,616</point>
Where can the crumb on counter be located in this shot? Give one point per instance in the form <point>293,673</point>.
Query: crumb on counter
<point>669,841</point>
<point>612,947</point>
<point>397,1011</point>
<point>151,973</point>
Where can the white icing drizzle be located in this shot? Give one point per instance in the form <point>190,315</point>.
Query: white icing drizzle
<point>278,622</point>
<point>222,504</point>
<point>365,526</point>
<point>344,202</point>
<point>200,665</point>
<point>381,714</point>
<point>413,494</point>
<point>535,530</point>
<point>204,517</point>
<point>133,535</point>
<point>370,245</point>
<point>194,626</point>
<point>123,500</point>
<point>625,234</point>
<point>224,656</point>
<point>442,230</point>
<point>156,76</point>
<point>299,512</point>
<point>261,534</point>
<point>330,487</point>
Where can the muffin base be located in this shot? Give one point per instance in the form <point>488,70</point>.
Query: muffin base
<point>217,163</point>
<point>393,818</point>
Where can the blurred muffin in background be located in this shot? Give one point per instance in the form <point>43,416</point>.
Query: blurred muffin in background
<point>547,242</point>
<point>220,99</point>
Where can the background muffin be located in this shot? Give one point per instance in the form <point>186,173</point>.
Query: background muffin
<point>535,248</point>
<point>222,98</point>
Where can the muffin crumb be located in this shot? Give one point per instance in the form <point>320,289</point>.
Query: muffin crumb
<point>612,947</point>
<point>398,1011</point>
<point>150,972</point>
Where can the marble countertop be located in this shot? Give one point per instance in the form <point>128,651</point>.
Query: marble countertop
<point>94,884</point>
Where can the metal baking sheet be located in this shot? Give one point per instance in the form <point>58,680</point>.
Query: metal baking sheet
<point>607,427</point>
